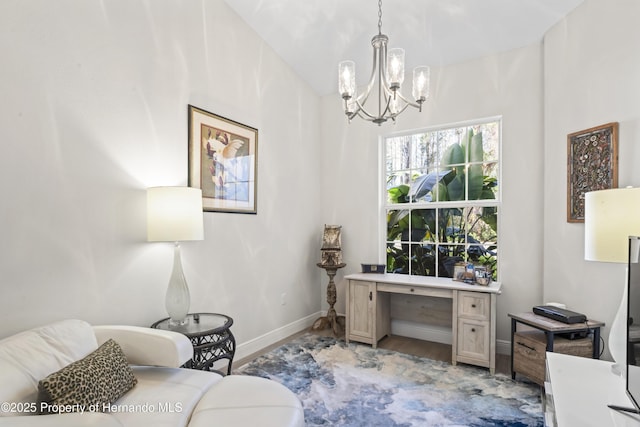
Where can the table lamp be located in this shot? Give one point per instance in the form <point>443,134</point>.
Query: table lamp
<point>174,214</point>
<point>611,216</point>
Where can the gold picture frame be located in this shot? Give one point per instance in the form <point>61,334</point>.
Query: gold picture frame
<point>592,164</point>
<point>223,159</point>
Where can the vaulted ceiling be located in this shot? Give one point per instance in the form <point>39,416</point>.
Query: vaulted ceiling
<point>312,36</point>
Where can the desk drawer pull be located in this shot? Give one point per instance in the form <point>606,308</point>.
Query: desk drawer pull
<point>413,290</point>
<point>370,296</point>
<point>473,306</point>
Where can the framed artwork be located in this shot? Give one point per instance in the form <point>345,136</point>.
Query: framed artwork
<point>223,156</point>
<point>592,164</point>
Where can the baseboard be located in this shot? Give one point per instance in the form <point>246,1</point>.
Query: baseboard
<point>503,347</point>
<point>438,334</point>
<point>398,327</point>
<point>258,344</point>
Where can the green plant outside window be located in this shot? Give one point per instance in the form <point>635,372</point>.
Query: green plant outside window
<point>442,199</point>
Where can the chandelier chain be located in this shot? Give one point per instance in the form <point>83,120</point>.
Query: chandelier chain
<point>379,16</point>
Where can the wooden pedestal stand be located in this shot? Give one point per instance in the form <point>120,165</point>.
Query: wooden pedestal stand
<point>331,320</point>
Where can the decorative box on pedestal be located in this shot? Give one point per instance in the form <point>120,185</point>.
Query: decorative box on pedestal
<point>331,245</point>
<point>331,261</point>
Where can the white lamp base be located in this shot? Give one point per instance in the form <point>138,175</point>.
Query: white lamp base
<point>618,334</point>
<point>177,300</point>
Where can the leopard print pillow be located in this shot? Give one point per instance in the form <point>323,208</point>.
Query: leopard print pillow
<point>88,384</point>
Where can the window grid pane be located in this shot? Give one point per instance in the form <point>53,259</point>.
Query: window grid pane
<point>442,199</point>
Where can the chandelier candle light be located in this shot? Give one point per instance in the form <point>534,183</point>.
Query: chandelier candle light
<point>389,71</point>
<point>174,214</point>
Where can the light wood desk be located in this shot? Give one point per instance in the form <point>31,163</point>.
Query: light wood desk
<point>473,312</point>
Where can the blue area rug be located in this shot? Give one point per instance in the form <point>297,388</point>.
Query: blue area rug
<point>356,385</point>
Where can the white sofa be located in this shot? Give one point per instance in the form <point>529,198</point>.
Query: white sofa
<point>165,395</point>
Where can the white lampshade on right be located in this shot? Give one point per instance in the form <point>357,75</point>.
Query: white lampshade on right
<point>610,217</point>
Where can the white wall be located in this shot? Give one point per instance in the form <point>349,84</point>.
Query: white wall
<point>93,111</point>
<point>592,77</point>
<point>507,85</point>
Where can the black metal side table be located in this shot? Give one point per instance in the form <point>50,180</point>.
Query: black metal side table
<point>551,329</point>
<point>211,337</point>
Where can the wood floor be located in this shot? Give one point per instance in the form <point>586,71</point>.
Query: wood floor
<point>412,346</point>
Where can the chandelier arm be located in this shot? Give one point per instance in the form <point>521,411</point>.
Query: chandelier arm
<point>405,103</point>
<point>413,104</point>
<point>364,96</point>
<point>363,117</point>
<point>381,117</point>
<point>367,117</point>
<point>384,91</point>
<point>360,111</point>
<point>387,108</point>
<point>384,94</point>
<point>350,114</point>
<point>401,110</point>
<point>384,81</point>
<point>363,110</point>
<point>382,87</point>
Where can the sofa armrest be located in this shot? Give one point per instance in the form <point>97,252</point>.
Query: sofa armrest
<point>93,419</point>
<point>147,346</point>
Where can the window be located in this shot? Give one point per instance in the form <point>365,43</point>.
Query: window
<point>442,198</point>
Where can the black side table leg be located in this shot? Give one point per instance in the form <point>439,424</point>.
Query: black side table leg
<point>596,343</point>
<point>513,332</point>
<point>550,338</point>
<point>231,351</point>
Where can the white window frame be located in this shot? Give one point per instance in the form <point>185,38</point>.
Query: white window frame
<point>382,185</point>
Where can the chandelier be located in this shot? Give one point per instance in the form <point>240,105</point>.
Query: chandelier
<point>388,70</point>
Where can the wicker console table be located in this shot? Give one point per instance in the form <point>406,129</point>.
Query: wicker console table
<point>211,337</point>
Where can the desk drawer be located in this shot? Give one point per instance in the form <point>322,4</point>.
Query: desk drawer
<point>474,339</point>
<point>415,290</point>
<point>474,305</point>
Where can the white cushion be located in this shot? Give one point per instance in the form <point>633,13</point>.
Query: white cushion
<point>240,400</point>
<point>147,346</point>
<point>170,395</point>
<point>30,356</point>
<point>94,419</point>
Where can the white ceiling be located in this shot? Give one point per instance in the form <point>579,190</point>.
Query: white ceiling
<point>312,36</point>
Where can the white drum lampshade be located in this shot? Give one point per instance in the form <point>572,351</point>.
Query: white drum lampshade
<point>174,214</point>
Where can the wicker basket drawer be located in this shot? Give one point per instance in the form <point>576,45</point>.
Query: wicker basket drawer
<point>529,351</point>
